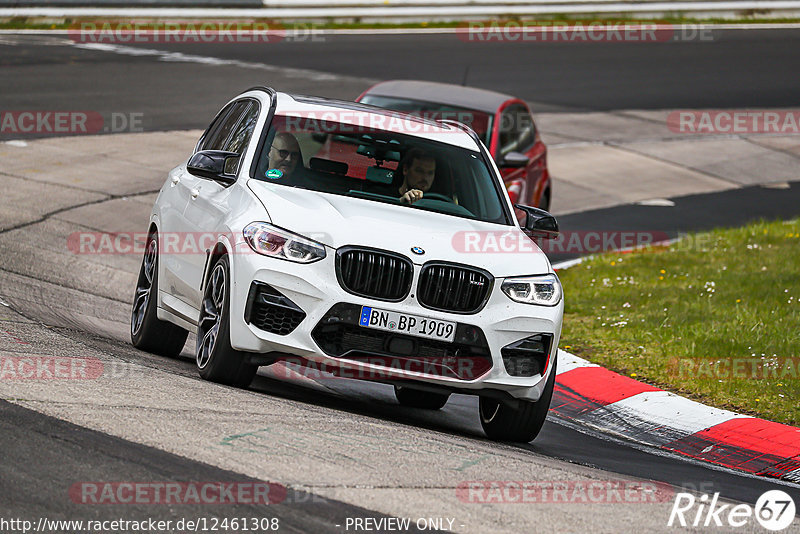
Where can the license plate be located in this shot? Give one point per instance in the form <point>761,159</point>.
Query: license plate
<point>404,323</point>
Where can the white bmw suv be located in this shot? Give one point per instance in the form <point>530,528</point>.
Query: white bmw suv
<point>358,241</point>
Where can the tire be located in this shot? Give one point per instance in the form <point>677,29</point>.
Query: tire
<point>148,332</point>
<point>544,202</point>
<point>415,398</point>
<point>216,360</point>
<point>501,422</point>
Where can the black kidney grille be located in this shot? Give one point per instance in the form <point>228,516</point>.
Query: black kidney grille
<point>374,274</point>
<point>453,288</point>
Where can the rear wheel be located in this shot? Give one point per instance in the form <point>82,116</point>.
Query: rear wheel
<point>216,360</point>
<point>148,332</point>
<point>415,398</point>
<point>502,422</point>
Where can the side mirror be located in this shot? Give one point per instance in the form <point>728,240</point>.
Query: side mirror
<point>217,165</point>
<point>513,159</point>
<point>538,223</point>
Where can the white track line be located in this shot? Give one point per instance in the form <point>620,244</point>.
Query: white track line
<point>568,362</point>
<point>674,411</point>
<point>178,57</point>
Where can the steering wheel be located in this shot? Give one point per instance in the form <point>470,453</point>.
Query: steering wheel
<point>437,196</point>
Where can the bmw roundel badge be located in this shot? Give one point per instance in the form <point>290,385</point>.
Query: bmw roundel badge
<point>418,250</point>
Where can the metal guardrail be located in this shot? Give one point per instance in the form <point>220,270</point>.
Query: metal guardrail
<point>389,10</point>
<point>6,5</point>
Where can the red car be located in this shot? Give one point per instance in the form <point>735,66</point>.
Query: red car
<point>503,122</point>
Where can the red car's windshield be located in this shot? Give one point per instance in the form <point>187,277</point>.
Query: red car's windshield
<point>479,121</point>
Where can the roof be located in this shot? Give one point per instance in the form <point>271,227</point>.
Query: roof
<point>455,95</point>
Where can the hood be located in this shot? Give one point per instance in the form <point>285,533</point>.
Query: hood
<point>336,221</point>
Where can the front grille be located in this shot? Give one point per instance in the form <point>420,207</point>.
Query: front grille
<point>339,335</point>
<point>453,288</point>
<point>271,311</point>
<point>374,274</point>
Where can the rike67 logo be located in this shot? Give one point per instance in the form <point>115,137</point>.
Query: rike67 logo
<point>774,510</point>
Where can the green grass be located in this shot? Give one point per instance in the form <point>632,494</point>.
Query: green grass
<point>667,315</point>
<point>55,23</point>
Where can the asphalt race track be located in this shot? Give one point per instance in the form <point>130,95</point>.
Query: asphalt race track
<point>63,448</point>
<point>345,449</point>
<point>691,213</point>
<point>736,69</point>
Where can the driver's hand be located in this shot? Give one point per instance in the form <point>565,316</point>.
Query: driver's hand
<point>411,196</point>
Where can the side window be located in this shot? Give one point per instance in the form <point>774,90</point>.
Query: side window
<point>215,124</point>
<point>517,130</point>
<point>241,135</point>
<point>244,130</point>
<point>217,137</point>
<point>527,130</point>
<point>508,131</point>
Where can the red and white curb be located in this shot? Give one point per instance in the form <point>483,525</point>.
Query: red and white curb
<point>593,396</point>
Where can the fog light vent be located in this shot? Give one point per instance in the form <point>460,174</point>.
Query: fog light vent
<point>527,357</point>
<point>271,311</point>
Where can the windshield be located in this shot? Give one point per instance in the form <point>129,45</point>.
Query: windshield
<point>479,121</point>
<point>381,166</point>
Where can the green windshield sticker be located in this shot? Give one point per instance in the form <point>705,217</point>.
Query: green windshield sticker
<point>274,174</point>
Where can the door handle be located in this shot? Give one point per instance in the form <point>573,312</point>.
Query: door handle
<point>195,192</point>
<point>175,180</point>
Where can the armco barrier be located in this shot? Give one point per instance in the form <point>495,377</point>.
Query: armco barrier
<point>391,10</point>
<point>146,4</point>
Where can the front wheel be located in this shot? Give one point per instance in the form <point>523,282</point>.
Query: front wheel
<point>415,398</point>
<point>148,332</point>
<point>544,202</point>
<point>502,422</point>
<point>216,360</point>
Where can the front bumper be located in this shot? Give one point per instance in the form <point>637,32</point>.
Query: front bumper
<point>315,290</point>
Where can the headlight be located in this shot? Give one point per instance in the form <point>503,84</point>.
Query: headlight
<point>275,242</point>
<point>544,290</point>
